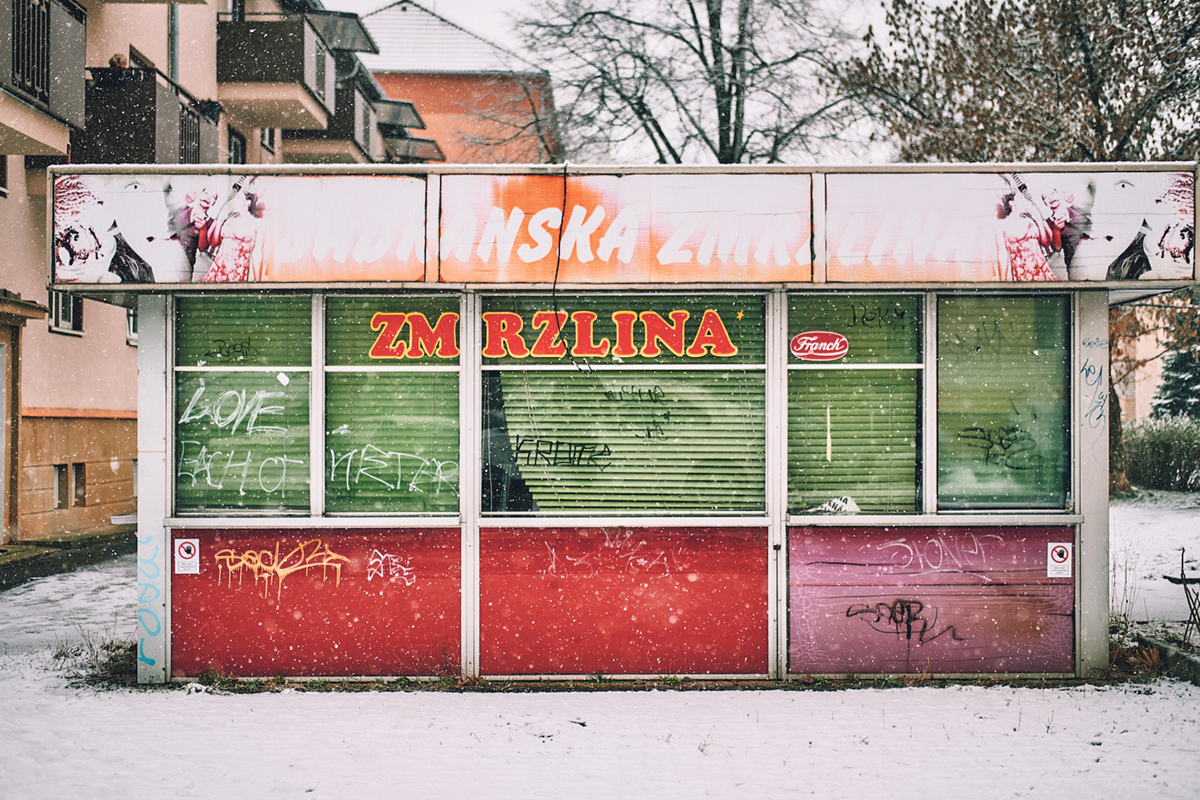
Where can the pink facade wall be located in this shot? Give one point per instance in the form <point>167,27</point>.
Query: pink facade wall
<point>935,600</point>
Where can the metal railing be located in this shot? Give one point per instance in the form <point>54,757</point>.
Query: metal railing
<point>189,135</point>
<point>31,48</point>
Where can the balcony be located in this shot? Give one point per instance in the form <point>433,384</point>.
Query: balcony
<point>42,86</point>
<point>396,118</point>
<point>275,71</point>
<point>347,140</point>
<point>411,150</point>
<point>139,116</point>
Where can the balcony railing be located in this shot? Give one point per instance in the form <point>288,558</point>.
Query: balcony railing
<point>140,116</point>
<point>31,47</point>
<point>274,50</point>
<point>44,64</point>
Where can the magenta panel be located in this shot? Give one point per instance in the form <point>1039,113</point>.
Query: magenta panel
<point>665,601</point>
<point>936,600</point>
<point>329,602</point>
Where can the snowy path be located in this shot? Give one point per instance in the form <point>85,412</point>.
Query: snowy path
<point>1136,741</point>
<point>980,743</point>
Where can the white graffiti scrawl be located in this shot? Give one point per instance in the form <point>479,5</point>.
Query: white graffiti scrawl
<point>390,567</point>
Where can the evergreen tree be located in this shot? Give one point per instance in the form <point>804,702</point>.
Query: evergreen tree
<point>1179,393</point>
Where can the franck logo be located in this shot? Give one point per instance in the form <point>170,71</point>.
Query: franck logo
<point>819,346</point>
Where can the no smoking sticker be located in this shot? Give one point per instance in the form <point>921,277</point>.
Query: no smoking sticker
<point>1058,560</point>
<point>187,556</point>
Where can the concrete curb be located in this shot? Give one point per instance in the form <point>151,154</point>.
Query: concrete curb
<point>1178,663</point>
<point>40,561</point>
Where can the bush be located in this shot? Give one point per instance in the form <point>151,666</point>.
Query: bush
<point>1163,453</point>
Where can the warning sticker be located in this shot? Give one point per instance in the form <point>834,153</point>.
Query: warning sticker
<point>1058,560</point>
<point>187,556</point>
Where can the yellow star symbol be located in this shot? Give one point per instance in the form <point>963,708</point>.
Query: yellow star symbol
<point>741,314</point>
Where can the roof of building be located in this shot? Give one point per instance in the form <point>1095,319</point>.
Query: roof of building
<point>412,38</point>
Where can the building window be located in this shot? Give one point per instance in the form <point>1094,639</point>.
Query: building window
<point>66,313</point>
<point>79,484</point>
<point>62,486</point>
<point>364,124</point>
<point>392,405</point>
<point>242,375</point>
<point>3,176</point>
<point>624,404</point>
<point>131,338</point>
<point>1003,415</point>
<point>266,138</point>
<point>237,147</point>
<point>854,397</point>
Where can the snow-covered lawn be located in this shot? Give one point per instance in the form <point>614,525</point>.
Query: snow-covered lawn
<point>1127,741</point>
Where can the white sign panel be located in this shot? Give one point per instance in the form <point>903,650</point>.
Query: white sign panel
<point>1058,560</point>
<point>187,556</point>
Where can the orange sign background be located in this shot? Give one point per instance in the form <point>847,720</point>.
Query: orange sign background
<point>626,229</point>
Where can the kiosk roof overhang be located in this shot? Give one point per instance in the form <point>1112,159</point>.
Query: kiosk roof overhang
<point>1125,228</point>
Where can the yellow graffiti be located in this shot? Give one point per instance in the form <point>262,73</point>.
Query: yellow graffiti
<point>265,565</point>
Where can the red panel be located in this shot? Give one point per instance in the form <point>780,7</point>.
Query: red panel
<point>937,600</point>
<point>659,601</point>
<point>326,602</point>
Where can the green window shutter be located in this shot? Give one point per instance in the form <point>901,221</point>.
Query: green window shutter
<point>633,434</point>
<point>391,405</point>
<point>236,331</point>
<point>1003,414</point>
<point>854,433</point>
<point>241,440</point>
<point>357,326</point>
<point>880,329</point>
<point>854,423</point>
<point>391,442</point>
<point>242,403</point>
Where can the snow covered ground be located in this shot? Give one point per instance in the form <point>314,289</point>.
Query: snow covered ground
<point>1113,742</point>
<point>1144,539</point>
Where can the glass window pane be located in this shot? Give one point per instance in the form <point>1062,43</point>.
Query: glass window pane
<point>1003,370</point>
<point>242,402</point>
<point>854,423</point>
<point>391,405</point>
<point>391,442</point>
<point>595,432</point>
<point>624,441</point>
<point>391,331</point>
<point>244,331</point>
<point>854,433</point>
<point>879,329</point>
<point>241,440</point>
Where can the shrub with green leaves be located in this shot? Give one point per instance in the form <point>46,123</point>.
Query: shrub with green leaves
<point>1163,453</point>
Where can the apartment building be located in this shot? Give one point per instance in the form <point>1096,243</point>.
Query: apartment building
<point>96,82</point>
<point>482,103</point>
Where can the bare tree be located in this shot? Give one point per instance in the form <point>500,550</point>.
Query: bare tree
<point>512,120</point>
<point>695,80</point>
<point>1026,80</point>
<point>1023,80</point>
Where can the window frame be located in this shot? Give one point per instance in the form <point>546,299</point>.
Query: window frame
<point>637,299</point>
<point>920,369</point>
<point>66,313</point>
<point>472,451</point>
